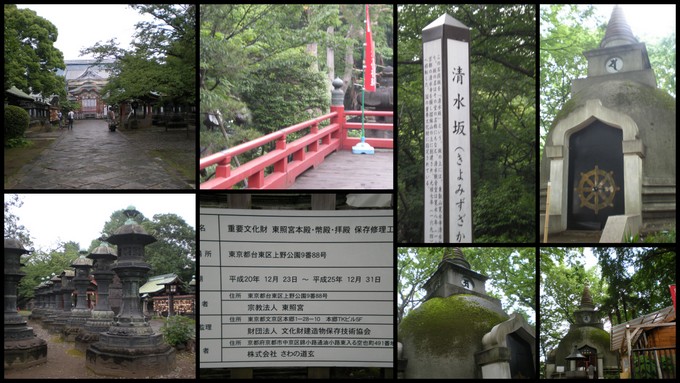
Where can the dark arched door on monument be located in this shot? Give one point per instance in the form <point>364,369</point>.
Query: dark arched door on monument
<point>591,355</point>
<point>595,176</point>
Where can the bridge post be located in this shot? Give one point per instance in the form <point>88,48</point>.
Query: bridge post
<point>338,105</point>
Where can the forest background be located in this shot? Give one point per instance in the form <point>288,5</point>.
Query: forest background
<point>267,67</point>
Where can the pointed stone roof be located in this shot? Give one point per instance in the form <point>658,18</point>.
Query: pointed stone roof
<point>587,299</point>
<point>457,258</point>
<point>445,19</point>
<point>618,31</point>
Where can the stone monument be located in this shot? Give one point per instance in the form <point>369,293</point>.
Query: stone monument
<point>586,336</point>
<point>55,306</point>
<point>130,347</point>
<point>22,347</point>
<point>66,301</point>
<point>101,317</point>
<point>461,332</point>
<point>81,313</point>
<point>447,151</point>
<point>610,153</point>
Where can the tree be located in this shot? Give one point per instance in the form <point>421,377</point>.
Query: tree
<point>638,280</point>
<point>175,247</point>
<point>175,250</point>
<point>12,227</point>
<point>41,265</point>
<point>564,38</point>
<point>563,277</point>
<point>162,59</point>
<point>502,57</point>
<point>240,43</point>
<point>31,60</point>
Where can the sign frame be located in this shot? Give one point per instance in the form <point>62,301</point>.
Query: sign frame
<point>448,220</point>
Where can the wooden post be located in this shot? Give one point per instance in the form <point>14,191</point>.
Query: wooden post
<point>547,214</point>
<point>239,201</point>
<point>447,168</point>
<point>323,201</point>
<point>318,373</point>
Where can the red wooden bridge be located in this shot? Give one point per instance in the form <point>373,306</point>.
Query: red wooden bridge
<point>281,167</point>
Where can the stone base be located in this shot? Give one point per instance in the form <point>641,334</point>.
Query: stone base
<point>85,338</point>
<point>25,353</point>
<point>149,360</point>
<point>70,333</point>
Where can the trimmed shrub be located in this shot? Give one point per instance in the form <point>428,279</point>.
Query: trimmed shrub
<point>16,122</point>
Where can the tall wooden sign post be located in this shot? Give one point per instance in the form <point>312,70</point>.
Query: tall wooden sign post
<point>446,86</point>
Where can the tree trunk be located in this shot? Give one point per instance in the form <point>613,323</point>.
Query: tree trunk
<point>330,54</point>
<point>349,62</point>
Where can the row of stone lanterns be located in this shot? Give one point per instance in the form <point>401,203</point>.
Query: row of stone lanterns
<point>121,345</point>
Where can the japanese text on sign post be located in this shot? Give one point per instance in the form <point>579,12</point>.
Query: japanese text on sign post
<point>460,192</point>
<point>296,288</point>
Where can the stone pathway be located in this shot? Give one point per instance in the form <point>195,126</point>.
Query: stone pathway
<point>92,157</point>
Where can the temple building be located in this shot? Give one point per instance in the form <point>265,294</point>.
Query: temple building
<point>609,156</point>
<point>84,82</point>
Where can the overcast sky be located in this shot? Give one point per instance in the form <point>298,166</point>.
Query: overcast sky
<point>53,218</point>
<point>647,21</point>
<point>81,26</point>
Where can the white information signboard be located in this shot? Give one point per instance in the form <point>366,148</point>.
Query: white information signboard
<point>446,99</point>
<point>460,187</point>
<point>296,288</point>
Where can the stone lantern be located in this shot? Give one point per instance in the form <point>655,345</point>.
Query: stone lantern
<point>130,347</point>
<point>66,293</point>
<point>22,347</point>
<point>81,313</point>
<point>54,307</point>
<point>573,359</point>
<point>102,316</point>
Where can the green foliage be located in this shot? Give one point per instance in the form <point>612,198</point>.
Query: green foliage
<point>16,122</point>
<point>625,284</point>
<point>41,265</point>
<point>563,277</point>
<point>269,62</point>
<point>564,37</point>
<point>285,92</point>
<point>645,366</point>
<point>31,60</point>
<point>175,248</point>
<point>19,142</point>
<point>503,111</point>
<point>662,59</point>
<point>12,227</point>
<point>163,58</point>
<point>495,220</point>
<point>178,330</point>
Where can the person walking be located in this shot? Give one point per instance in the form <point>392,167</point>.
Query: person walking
<point>112,119</point>
<point>60,116</point>
<point>71,116</point>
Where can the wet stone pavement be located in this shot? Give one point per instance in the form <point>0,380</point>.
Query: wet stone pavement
<point>92,157</point>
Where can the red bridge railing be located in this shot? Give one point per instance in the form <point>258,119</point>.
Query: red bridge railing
<point>278,168</point>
